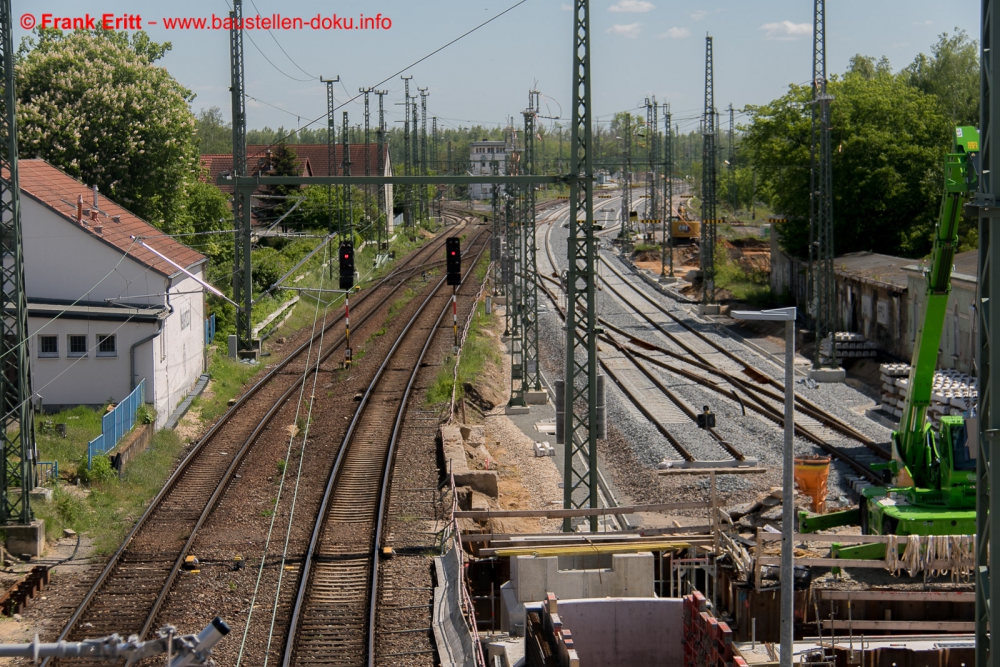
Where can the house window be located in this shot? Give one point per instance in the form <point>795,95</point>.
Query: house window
<point>186,317</point>
<point>48,346</point>
<point>107,345</point>
<point>77,345</point>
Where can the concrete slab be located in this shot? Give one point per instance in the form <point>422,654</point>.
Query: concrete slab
<point>40,494</point>
<point>879,415</point>
<point>516,410</point>
<point>453,451</point>
<point>708,309</point>
<point>625,631</point>
<point>26,539</point>
<point>827,374</point>
<point>536,397</point>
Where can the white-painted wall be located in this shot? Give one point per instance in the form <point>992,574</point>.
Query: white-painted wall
<point>62,262</point>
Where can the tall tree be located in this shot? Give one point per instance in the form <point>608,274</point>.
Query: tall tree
<point>94,104</point>
<point>215,135</point>
<point>950,74</point>
<point>889,141</point>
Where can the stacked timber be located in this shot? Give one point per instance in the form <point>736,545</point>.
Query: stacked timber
<point>849,346</point>
<point>952,393</point>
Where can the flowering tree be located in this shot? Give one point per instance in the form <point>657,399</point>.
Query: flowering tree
<point>94,104</point>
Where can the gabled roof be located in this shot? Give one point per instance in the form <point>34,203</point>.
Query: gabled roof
<point>215,164</point>
<point>58,191</point>
<point>314,158</point>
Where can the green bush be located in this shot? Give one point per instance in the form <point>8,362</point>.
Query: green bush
<point>101,471</point>
<point>145,414</point>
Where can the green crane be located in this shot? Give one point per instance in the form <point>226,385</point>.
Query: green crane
<point>930,479</point>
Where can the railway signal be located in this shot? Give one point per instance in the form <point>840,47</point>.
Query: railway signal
<point>346,283</point>
<point>346,265</point>
<point>453,257</point>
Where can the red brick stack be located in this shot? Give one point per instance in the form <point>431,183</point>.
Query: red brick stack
<point>708,642</point>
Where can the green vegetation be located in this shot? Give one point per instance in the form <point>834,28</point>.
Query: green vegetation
<point>890,134</point>
<point>112,506</point>
<point>82,425</point>
<point>478,349</point>
<point>746,283</point>
<point>228,378</point>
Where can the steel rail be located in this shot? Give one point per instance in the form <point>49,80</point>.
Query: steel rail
<point>334,476</point>
<point>193,455</point>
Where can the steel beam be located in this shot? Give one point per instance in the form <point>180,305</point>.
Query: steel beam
<point>15,382</point>
<point>242,270</point>
<point>987,475</point>
<point>580,414</point>
<point>261,181</point>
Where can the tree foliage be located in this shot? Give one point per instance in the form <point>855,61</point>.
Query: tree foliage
<point>951,75</point>
<point>888,140</point>
<point>215,135</point>
<point>94,104</point>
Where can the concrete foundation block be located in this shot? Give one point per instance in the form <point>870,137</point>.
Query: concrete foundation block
<point>708,309</point>
<point>827,374</point>
<point>536,397</point>
<point>474,434</point>
<point>40,494</point>
<point>29,539</point>
<point>516,410</point>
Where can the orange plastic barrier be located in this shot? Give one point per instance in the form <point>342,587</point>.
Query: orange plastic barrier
<point>811,473</point>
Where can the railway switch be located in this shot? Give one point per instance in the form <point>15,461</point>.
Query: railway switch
<point>346,265</point>
<point>453,257</point>
<point>706,419</point>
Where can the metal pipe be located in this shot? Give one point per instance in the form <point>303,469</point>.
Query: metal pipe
<point>131,352</point>
<point>788,502</point>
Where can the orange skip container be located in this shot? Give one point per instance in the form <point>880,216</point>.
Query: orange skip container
<point>811,473</point>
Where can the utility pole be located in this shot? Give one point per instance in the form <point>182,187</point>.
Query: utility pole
<point>345,147</point>
<point>529,266</point>
<point>15,382</point>
<point>415,161</point>
<point>424,203</point>
<point>988,359</point>
<point>242,277</point>
<point>331,141</point>
<point>668,170</point>
<point>708,219</point>
<point>407,212</point>
<point>653,153</point>
<point>385,208</point>
<point>579,423</point>
<point>626,178</point>
<point>822,281</point>
<point>732,157</point>
<point>368,160</point>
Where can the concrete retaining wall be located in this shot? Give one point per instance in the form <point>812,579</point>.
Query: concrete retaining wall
<point>625,631</point>
<point>630,575</point>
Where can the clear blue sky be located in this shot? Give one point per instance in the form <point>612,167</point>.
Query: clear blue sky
<point>640,48</point>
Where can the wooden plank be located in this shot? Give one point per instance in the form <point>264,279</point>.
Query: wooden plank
<point>698,531</point>
<point>584,511</point>
<point>588,549</point>
<point>897,596</point>
<point>826,562</point>
<point>594,546</point>
<point>828,539</point>
<point>915,626</point>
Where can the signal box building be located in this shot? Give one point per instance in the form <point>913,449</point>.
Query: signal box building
<point>481,158</point>
<point>103,311</point>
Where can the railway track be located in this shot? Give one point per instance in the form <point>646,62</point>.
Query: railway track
<point>690,354</point>
<point>333,620</point>
<point>133,586</point>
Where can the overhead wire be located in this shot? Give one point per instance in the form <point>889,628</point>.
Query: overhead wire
<point>290,59</point>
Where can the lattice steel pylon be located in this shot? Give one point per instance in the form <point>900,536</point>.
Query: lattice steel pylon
<point>821,278</point>
<point>624,233</point>
<point>987,474</point>
<point>385,211</point>
<point>668,174</point>
<point>708,178</point>
<point>331,151</point>
<point>242,271</point>
<point>424,201</point>
<point>368,160</point>
<point>15,382</point>
<point>406,189</point>
<point>580,388</point>
<point>347,230</point>
<point>527,276</point>
<point>653,155</point>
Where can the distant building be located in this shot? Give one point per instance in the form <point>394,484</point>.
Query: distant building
<point>103,311</point>
<point>482,155</point>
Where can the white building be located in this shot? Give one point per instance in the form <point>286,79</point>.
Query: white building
<point>103,311</point>
<point>482,155</point>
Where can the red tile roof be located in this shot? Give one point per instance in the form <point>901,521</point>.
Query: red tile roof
<point>315,155</point>
<point>217,163</point>
<point>57,190</point>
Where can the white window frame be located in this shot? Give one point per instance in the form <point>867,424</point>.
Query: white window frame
<point>114,340</point>
<point>48,355</point>
<point>69,346</point>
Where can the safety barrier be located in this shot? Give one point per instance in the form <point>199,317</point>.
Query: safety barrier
<point>116,423</point>
<point>46,471</point>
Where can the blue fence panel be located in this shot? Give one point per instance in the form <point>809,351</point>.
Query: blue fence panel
<point>115,424</point>
<point>210,330</point>
<point>46,471</point>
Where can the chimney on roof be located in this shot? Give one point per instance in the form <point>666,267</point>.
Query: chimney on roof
<point>95,198</point>
<point>98,227</point>
<point>79,208</point>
